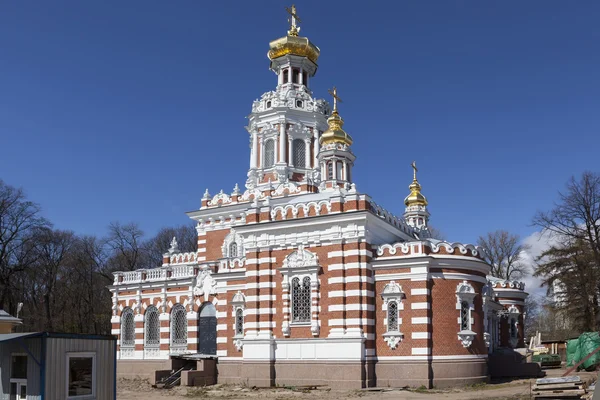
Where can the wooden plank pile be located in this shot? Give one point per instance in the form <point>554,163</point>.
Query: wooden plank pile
<point>569,387</point>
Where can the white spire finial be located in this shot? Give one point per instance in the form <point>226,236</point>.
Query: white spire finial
<point>206,195</point>
<point>174,246</point>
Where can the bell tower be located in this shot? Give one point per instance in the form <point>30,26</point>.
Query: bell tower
<point>335,157</point>
<point>416,214</point>
<point>285,124</point>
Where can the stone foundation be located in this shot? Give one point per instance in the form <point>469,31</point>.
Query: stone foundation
<point>139,369</point>
<point>434,373</point>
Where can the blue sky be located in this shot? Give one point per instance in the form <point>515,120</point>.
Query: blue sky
<point>127,111</point>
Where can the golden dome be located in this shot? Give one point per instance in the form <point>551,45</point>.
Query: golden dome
<point>415,198</point>
<point>292,43</point>
<point>335,133</point>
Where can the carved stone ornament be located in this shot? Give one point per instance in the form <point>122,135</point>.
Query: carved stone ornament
<point>466,338</point>
<point>220,197</point>
<point>205,284</point>
<point>315,328</point>
<point>238,343</point>
<point>487,338</point>
<point>285,328</point>
<point>174,246</point>
<point>393,339</point>
<point>301,258</point>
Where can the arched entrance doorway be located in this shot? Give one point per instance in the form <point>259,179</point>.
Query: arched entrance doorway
<point>207,330</point>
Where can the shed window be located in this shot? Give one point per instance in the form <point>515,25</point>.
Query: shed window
<point>81,375</point>
<point>19,367</point>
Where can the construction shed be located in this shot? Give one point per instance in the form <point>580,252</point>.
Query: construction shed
<point>52,366</point>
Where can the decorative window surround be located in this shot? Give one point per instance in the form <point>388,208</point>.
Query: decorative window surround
<point>300,264</point>
<point>513,326</point>
<point>465,294</point>
<point>151,333</point>
<point>238,306</point>
<point>392,296</point>
<point>178,329</point>
<point>127,339</point>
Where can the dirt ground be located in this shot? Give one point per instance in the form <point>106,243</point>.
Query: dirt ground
<point>516,389</point>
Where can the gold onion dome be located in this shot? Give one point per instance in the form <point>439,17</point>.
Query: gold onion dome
<point>292,43</point>
<point>415,198</point>
<point>335,133</point>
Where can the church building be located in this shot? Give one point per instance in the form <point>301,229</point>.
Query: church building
<point>301,279</point>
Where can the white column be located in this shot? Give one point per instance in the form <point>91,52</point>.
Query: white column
<point>334,169</point>
<point>254,151</point>
<point>262,153</point>
<point>291,162</point>
<point>300,78</point>
<point>307,153</point>
<point>316,146</point>
<point>280,77</point>
<point>345,170</point>
<point>282,141</point>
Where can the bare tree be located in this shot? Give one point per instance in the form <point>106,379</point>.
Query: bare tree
<point>187,239</point>
<point>19,218</point>
<point>576,216</point>
<point>125,241</point>
<point>504,254</point>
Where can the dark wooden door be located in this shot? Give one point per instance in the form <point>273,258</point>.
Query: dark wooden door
<point>207,330</point>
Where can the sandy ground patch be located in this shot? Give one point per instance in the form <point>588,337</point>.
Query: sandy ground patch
<point>517,389</point>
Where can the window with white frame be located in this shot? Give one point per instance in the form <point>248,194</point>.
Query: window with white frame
<point>239,322</point>
<point>233,250</point>
<point>152,327</point>
<point>465,296</point>
<point>301,301</point>
<point>239,304</point>
<point>81,375</point>
<point>392,296</point>
<point>300,290</point>
<point>513,325</point>
<point>178,326</point>
<point>299,150</point>
<point>127,328</point>
<point>269,153</point>
<point>330,170</point>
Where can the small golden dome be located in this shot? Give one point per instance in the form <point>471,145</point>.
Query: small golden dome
<point>335,133</point>
<point>294,45</point>
<point>415,198</point>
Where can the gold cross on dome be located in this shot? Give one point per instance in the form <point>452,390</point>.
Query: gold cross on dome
<point>414,166</point>
<point>294,18</point>
<point>336,98</point>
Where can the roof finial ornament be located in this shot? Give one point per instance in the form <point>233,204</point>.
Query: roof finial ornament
<point>414,166</point>
<point>294,29</point>
<point>174,246</point>
<point>336,98</point>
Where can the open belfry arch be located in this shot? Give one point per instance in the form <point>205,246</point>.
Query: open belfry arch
<point>300,278</point>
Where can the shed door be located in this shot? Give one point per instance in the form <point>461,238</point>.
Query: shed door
<point>18,377</point>
<point>207,330</point>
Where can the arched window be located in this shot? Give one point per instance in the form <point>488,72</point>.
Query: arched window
<point>285,76</point>
<point>269,104</point>
<point>152,328</point>
<point>301,301</point>
<point>127,328</point>
<point>233,250</point>
<point>299,103</point>
<point>178,326</point>
<point>465,318</point>
<point>330,170</point>
<point>513,328</point>
<point>299,158</point>
<point>269,153</point>
<point>239,322</point>
<point>392,316</point>
<point>295,76</point>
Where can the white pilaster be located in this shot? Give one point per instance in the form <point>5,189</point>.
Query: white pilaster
<point>253,156</point>
<point>307,153</point>
<point>282,157</point>
<point>291,162</point>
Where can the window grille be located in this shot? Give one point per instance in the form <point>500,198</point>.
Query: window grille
<point>152,325</point>
<point>392,316</point>
<point>330,170</point>
<point>269,153</point>
<point>465,323</point>
<point>178,325</point>
<point>239,322</point>
<point>233,250</point>
<point>127,328</point>
<point>301,301</point>
<point>299,153</point>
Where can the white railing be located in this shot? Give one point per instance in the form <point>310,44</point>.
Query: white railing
<point>182,271</point>
<point>153,275</point>
<point>156,274</point>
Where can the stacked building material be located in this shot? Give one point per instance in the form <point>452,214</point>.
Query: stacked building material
<point>569,387</point>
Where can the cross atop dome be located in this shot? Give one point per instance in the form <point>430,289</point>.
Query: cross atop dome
<point>294,29</point>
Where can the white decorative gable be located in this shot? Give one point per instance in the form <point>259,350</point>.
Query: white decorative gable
<point>300,259</point>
